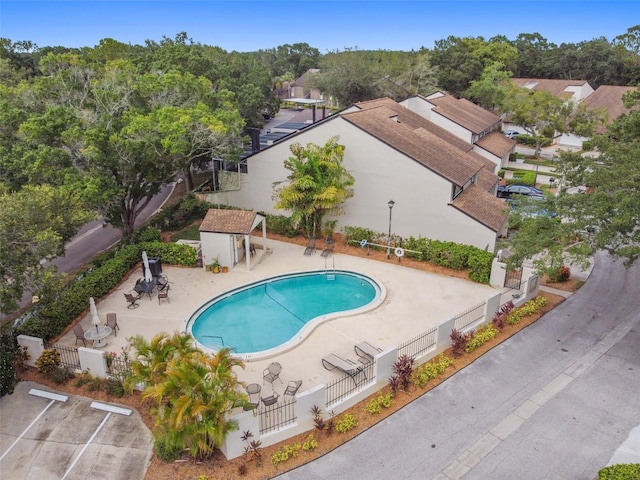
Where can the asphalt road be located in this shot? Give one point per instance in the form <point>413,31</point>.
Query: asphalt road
<point>553,402</point>
<point>94,238</point>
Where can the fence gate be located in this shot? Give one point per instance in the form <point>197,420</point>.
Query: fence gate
<point>513,279</point>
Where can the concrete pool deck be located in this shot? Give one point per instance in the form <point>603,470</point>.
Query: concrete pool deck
<point>415,301</point>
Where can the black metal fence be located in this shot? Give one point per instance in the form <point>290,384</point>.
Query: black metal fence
<point>69,356</point>
<point>513,279</point>
<point>276,416</point>
<point>348,384</point>
<point>119,366</point>
<point>419,345</point>
<point>469,317</point>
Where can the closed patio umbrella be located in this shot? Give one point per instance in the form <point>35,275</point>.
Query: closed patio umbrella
<point>147,271</point>
<point>95,319</point>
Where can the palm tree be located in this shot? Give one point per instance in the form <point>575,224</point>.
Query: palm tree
<point>150,362</point>
<point>195,399</point>
<point>318,184</point>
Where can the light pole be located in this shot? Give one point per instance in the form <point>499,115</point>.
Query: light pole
<point>391,203</point>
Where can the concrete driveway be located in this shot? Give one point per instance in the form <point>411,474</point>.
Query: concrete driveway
<point>43,436</point>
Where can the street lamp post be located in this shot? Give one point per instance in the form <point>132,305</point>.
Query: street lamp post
<point>391,203</point>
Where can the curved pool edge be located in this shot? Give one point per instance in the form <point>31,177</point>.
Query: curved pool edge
<point>305,331</point>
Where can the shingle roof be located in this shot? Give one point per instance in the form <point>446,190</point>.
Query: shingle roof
<point>496,143</point>
<point>465,113</point>
<point>419,144</point>
<point>482,206</point>
<point>610,98</point>
<point>487,179</point>
<point>555,86</point>
<point>414,120</point>
<point>228,221</point>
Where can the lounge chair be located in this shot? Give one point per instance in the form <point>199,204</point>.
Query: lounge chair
<point>253,390</point>
<point>334,362</point>
<point>272,373</point>
<point>366,352</point>
<point>292,387</point>
<point>132,299</point>
<point>112,321</point>
<point>328,250</point>
<point>311,247</point>
<point>79,331</point>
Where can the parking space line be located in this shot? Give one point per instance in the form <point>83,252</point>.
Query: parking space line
<point>54,397</point>
<point>104,407</point>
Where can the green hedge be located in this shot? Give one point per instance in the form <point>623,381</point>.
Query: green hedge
<point>523,177</point>
<point>280,225</point>
<point>447,254</point>
<point>52,319</point>
<point>621,471</point>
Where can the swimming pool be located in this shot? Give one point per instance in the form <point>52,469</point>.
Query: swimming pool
<point>271,316</point>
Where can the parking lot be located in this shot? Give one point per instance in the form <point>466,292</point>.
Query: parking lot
<point>49,435</point>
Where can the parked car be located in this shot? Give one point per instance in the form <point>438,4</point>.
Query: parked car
<point>530,209</point>
<point>505,191</point>
<point>511,133</point>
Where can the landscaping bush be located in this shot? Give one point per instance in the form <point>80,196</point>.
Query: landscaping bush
<point>620,471</point>
<point>480,262</point>
<point>430,370</point>
<point>280,225</point>
<point>480,337</point>
<point>355,235</point>
<point>458,342</point>
<point>401,377</point>
<point>8,377</point>
<point>560,274</point>
<point>346,423</point>
<point>523,177</point>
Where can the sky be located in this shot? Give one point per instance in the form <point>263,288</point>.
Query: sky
<point>327,25</point>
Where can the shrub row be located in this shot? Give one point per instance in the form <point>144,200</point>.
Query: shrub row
<point>446,254</point>
<point>532,306</point>
<point>280,225</point>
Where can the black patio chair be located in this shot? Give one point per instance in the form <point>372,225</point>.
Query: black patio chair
<point>132,299</point>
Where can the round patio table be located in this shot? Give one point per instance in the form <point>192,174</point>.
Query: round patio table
<point>98,336</point>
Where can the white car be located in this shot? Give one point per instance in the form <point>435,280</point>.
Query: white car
<point>511,133</point>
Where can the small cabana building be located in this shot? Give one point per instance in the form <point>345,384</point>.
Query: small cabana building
<point>225,235</point>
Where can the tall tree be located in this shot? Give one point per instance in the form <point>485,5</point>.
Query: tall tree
<point>35,222</point>
<point>540,113</point>
<point>606,216</point>
<point>491,88</point>
<point>318,184</point>
<point>461,60</point>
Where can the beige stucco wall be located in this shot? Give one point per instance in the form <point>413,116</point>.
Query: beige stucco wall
<point>382,174</point>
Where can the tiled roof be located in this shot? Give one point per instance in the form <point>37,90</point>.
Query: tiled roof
<point>610,98</point>
<point>465,113</point>
<point>482,206</point>
<point>496,143</point>
<point>419,144</point>
<point>228,221</point>
<point>555,86</point>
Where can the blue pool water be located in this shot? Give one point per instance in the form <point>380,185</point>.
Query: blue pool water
<point>264,315</point>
